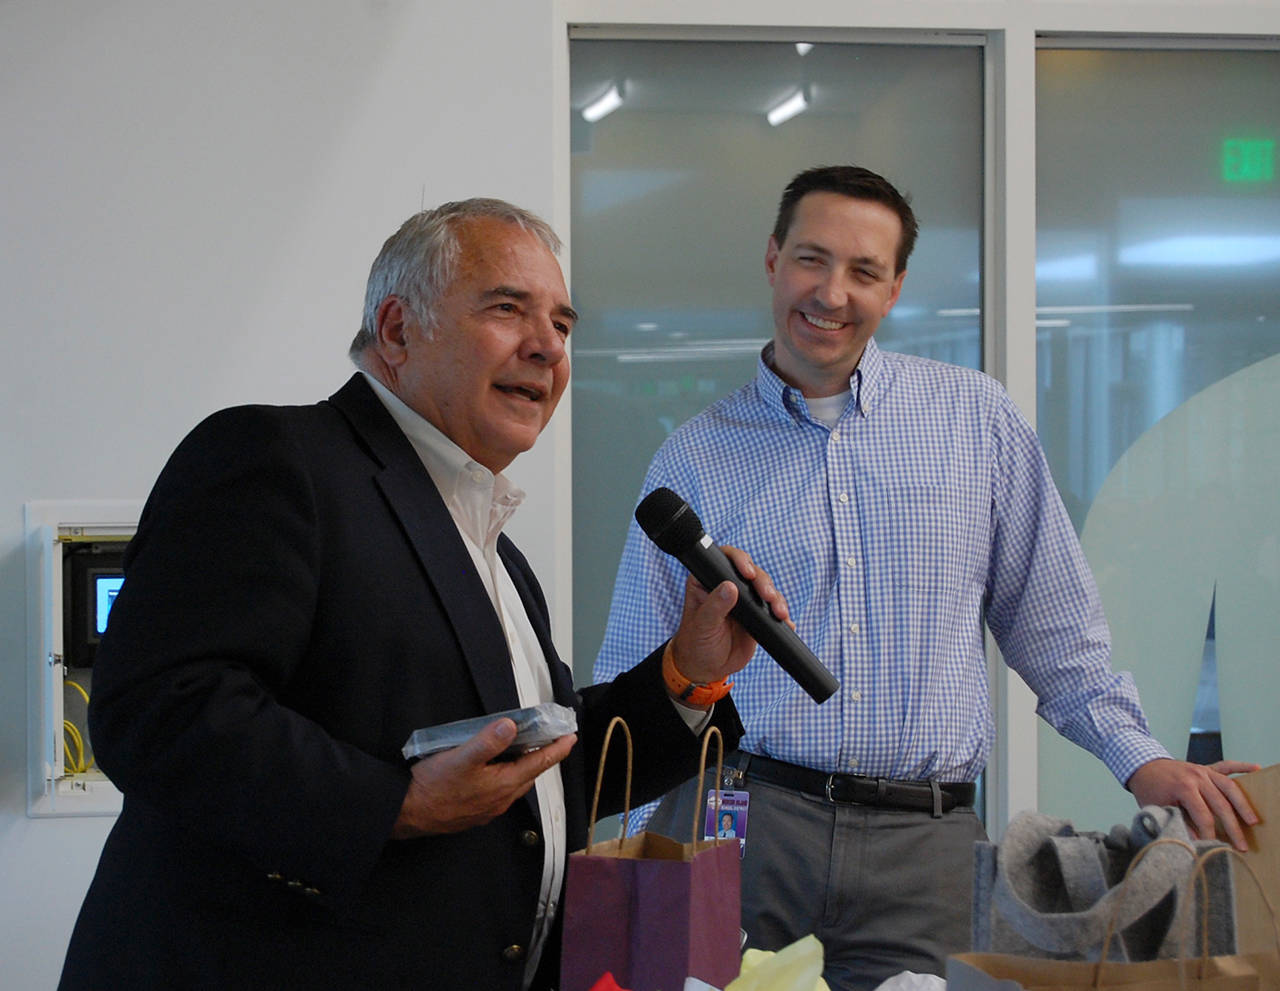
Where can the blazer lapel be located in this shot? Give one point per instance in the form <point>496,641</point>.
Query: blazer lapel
<point>572,768</point>
<point>536,608</point>
<point>414,500</point>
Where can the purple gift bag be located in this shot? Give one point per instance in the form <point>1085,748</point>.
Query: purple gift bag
<point>648,909</point>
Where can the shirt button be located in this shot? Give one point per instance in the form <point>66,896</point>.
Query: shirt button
<point>851,561</point>
<point>513,953</point>
<point>844,496</point>
<point>856,695</point>
<point>855,628</point>
<point>853,762</point>
<point>835,435</point>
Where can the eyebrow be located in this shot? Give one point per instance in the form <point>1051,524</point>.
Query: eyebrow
<point>522,296</point>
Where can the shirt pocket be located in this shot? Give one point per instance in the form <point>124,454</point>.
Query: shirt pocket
<point>928,532</point>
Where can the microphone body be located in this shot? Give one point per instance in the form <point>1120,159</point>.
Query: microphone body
<point>676,529</point>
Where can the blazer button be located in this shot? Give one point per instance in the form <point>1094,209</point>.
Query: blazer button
<point>513,953</point>
<point>530,838</point>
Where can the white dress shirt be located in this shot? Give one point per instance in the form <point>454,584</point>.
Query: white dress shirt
<point>480,503</point>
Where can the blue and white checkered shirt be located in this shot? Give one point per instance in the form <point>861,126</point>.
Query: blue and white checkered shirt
<point>928,508</point>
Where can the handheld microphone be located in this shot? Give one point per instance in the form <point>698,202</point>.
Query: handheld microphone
<point>676,529</point>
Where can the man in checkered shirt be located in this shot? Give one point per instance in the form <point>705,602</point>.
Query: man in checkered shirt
<point>900,503</point>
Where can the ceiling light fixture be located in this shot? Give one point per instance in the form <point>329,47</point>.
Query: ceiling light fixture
<point>604,106</point>
<point>804,47</point>
<point>788,108</point>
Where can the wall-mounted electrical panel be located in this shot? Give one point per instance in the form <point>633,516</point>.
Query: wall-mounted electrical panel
<point>74,552</point>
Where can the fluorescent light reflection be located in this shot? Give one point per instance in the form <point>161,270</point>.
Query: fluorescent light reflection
<point>788,108</point>
<point>709,351</point>
<point>604,106</point>
<point>1079,268</point>
<point>1204,251</point>
<point>968,311</point>
<point>1120,308</point>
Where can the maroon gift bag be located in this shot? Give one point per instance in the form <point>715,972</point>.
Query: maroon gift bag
<point>648,909</point>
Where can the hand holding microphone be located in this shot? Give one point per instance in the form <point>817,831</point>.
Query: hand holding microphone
<point>676,529</point>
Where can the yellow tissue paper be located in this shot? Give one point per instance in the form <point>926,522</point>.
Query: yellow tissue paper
<point>797,967</point>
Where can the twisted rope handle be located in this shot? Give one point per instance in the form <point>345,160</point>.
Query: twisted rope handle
<point>1198,874</point>
<point>702,768</point>
<point>1124,887</point>
<point>595,799</point>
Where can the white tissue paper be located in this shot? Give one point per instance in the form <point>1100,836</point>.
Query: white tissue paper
<point>910,981</point>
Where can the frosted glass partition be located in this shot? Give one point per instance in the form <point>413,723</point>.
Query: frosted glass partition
<point>1158,359</point>
<point>674,194</point>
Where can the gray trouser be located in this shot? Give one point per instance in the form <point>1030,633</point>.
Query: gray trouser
<point>883,890</point>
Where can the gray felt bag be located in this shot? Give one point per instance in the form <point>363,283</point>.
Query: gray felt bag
<point>1048,891</point>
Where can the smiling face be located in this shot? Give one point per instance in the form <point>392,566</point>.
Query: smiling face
<point>833,282</point>
<point>490,372</point>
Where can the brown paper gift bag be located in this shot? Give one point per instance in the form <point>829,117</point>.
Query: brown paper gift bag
<point>1263,790</point>
<point>649,910</point>
<point>1237,972</point>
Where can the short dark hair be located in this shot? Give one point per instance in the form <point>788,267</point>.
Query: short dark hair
<point>857,183</point>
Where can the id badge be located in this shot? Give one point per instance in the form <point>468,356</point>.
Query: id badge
<point>732,821</point>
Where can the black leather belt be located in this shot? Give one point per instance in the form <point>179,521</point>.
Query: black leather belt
<point>857,789</point>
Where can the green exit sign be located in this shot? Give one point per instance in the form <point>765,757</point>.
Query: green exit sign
<point>1248,161</point>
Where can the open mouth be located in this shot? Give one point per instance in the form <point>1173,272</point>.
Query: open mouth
<point>820,323</point>
<point>529,392</point>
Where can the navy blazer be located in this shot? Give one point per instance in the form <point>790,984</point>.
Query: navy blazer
<point>297,601</point>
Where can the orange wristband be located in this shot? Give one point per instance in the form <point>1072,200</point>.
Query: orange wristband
<point>684,690</point>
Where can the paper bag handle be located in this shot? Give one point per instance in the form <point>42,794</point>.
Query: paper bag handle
<point>1198,874</point>
<point>702,768</point>
<point>1124,887</point>
<point>595,799</point>
<point>1188,901</point>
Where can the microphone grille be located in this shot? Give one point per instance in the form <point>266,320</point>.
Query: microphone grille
<point>668,521</point>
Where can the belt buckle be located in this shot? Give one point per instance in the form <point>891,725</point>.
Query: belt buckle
<point>854,789</point>
<point>848,793</point>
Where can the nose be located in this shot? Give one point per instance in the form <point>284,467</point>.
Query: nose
<point>544,343</point>
<point>832,292</point>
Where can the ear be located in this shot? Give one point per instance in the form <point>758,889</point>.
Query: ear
<point>771,258</point>
<point>897,291</point>
<point>392,331</point>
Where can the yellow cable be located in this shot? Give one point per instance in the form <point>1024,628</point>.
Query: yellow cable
<point>79,688</point>
<point>76,762</point>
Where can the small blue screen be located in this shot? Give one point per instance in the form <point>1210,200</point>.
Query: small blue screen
<point>105,588</point>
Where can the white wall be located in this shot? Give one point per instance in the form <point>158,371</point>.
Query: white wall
<point>190,197</point>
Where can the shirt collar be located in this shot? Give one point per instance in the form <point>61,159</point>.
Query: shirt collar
<point>479,501</point>
<point>867,383</point>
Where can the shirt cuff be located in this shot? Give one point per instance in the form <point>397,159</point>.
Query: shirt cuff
<point>697,719</point>
<point>1127,751</point>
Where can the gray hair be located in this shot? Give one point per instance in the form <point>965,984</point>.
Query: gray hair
<point>418,261</point>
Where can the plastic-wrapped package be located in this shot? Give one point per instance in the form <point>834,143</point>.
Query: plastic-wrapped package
<point>536,726</point>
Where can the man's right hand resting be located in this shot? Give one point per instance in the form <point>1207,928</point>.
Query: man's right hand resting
<point>460,788</point>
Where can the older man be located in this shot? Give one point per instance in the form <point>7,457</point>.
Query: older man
<point>309,585</point>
